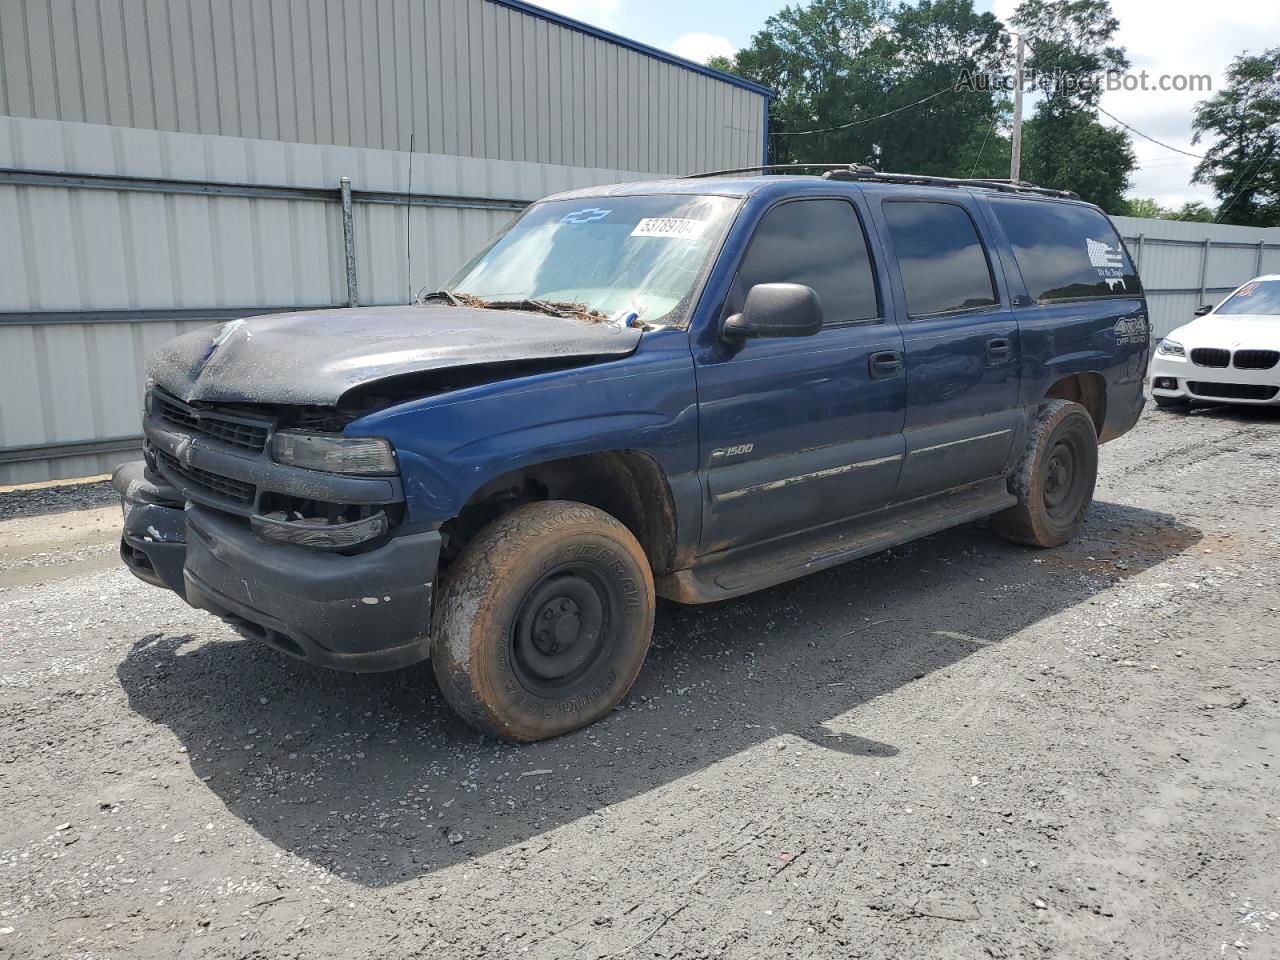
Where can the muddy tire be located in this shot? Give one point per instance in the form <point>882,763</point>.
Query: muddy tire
<point>1176,404</point>
<point>543,622</point>
<point>1055,480</point>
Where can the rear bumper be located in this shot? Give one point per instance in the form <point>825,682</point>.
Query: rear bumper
<point>365,612</point>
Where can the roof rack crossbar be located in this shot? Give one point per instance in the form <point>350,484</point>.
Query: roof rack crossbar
<point>858,171</point>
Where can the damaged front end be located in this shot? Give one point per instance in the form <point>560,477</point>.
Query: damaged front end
<point>291,531</point>
<point>253,501</point>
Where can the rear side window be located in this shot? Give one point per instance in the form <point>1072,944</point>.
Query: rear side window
<point>1066,251</point>
<point>944,267</point>
<point>820,244</point>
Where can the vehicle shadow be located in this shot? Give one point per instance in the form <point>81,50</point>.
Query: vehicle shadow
<point>372,776</point>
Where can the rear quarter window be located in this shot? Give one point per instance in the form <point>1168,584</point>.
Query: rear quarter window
<point>1066,251</point>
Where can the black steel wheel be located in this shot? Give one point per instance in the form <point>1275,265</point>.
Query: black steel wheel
<point>543,622</point>
<point>1055,480</point>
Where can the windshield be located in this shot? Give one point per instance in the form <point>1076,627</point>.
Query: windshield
<point>632,260</point>
<point>1257,296</point>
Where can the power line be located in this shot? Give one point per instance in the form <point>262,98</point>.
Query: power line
<point>1145,136</point>
<point>984,145</point>
<point>1159,143</point>
<point>854,123</point>
<point>1256,170</point>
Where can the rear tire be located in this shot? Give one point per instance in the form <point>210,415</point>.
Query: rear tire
<point>1176,404</point>
<point>544,621</point>
<point>1055,480</point>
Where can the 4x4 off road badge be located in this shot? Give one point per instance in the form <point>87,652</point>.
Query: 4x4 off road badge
<point>1131,330</point>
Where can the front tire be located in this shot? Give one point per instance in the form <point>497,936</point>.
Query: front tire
<point>1055,480</point>
<point>544,621</point>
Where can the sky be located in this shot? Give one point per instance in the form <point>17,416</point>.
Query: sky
<point>1164,37</point>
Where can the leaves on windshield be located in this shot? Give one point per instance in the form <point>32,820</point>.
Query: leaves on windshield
<point>554,308</point>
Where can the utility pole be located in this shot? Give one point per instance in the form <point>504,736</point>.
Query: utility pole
<point>1015,156</point>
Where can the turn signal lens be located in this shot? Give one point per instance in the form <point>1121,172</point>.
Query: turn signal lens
<point>333,452</point>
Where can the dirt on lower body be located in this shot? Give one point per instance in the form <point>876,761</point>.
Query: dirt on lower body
<point>959,748</point>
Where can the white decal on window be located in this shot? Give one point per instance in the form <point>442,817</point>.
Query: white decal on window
<point>1107,260</point>
<point>669,227</point>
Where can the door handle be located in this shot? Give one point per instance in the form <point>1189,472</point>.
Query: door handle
<point>884,364</point>
<point>999,349</point>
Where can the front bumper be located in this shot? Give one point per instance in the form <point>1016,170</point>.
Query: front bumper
<point>361,612</point>
<point>1178,378</point>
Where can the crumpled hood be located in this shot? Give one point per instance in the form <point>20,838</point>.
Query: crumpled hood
<point>315,357</point>
<point>1250,331</point>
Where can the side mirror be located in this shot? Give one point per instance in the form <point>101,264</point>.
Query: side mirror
<point>1207,308</point>
<point>776,310</point>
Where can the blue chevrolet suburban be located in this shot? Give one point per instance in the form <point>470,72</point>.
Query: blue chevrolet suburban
<point>689,388</point>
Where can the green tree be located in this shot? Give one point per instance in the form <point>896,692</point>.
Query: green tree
<point>823,61</point>
<point>930,47</point>
<point>986,152</point>
<point>1070,43</point>
<point>835,65</point>
<point>1076,152</point>
<point>1243,165</point>
<point>1196,212</point>
<point>1064,144</point>
<point>1146,207</point>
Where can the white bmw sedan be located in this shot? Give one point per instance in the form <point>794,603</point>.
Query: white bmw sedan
<point>1228,354</point>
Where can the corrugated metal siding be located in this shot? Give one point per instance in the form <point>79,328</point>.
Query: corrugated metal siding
<point>89,249</point>
<point>1173,263</point>
<point>470,77</point>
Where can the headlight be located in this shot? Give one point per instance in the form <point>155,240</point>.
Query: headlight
<point>1171,348</point>
<point>333,452</point>
<point>148,391</point>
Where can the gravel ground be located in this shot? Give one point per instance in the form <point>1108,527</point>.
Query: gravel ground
<point>960,749</point>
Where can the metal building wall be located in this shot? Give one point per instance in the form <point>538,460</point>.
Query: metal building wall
<point>158,233</point>
<point>1184,265</point>
<point>170,163</point>
<point>480,78</point>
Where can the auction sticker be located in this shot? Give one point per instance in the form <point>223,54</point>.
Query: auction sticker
<point>669,227</point>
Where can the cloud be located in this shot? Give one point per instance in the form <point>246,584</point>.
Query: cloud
<point>1175,37</point>
<point>701,47</point>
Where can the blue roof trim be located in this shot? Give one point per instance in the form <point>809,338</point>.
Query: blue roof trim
<point>635,45</point>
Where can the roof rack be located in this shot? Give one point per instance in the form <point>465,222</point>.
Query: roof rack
<point>769,166</point>
<point>862,172</point>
